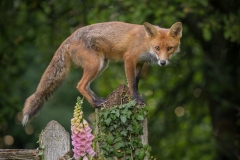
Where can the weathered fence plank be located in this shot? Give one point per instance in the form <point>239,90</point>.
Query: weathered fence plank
<point>26,154</point>
<point>55,141</point>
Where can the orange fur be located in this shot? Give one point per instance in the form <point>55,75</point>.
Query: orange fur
<point>91,48</point>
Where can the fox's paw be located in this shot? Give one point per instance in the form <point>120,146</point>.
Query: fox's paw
<point>99,102</point>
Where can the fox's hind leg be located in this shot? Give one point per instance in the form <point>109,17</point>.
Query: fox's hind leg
<point>99,101</point>
<point>93,65</point>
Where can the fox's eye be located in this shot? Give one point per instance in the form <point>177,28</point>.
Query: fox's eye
<point>169,48</point>
<point>157,48</point>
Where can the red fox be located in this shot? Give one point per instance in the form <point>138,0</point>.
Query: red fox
<point>91,48</point>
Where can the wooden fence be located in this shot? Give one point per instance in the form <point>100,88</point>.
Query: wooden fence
<point>54,141</point>
<point>54,144</point>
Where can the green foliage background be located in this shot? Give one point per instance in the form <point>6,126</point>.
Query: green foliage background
<point>203,80</point>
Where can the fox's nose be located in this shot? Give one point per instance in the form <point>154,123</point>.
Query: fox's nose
<point>162,62</point>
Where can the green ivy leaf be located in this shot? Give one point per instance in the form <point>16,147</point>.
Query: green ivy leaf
<point>113,111</point>
<point>121,106</point>
<point>107,121</point>
<point>118,139</point>
<point>128,105</point>
<point>106,112</point>
<point>129,128</point>
<point>133,103</point>
<point>118,153</point>
<point>128,113</point>
<point>115,126</point>
<point>103,128</point>
<point>117,113</point>
<point>140,117</point>
<point>109,139</point>
<point>119,145</point>
<point>141,154</point>
<point>124,111</point>
<point>123,118</point>
<point>124,133</point>
<point>107,148</point>
<point>113,116</point>
<point>111,128</point>
<point>136,127</point>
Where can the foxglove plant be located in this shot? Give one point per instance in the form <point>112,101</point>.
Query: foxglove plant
<point>81,134</point>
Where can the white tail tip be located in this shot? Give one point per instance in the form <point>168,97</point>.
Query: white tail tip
<point>25,120</point>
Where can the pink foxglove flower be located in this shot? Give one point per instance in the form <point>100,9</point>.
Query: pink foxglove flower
<point>81,134</point>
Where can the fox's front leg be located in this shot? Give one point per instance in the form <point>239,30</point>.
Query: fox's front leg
<point>133,73</point>
<point>139,68</point>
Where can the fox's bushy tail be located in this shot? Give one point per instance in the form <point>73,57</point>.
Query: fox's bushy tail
<point>51,79</point>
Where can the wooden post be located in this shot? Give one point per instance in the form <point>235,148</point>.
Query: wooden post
<point>119,122</point>
<point>144,137</point>
<point>55,141</point>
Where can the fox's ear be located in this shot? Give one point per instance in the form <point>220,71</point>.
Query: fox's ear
<point>176,30</point>
<point>150,29</point>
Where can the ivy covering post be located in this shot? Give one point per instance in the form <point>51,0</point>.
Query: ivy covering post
<point>121,128</point>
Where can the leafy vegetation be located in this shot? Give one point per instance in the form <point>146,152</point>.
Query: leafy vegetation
<point>193,104</point>
<point>119,130</point>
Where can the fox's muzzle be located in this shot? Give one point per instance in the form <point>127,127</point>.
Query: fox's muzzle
<point>162,62</point>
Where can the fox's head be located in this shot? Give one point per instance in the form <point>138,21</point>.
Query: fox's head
<point>164,43</point>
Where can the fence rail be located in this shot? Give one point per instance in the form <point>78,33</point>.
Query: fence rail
<point>26,154</point>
